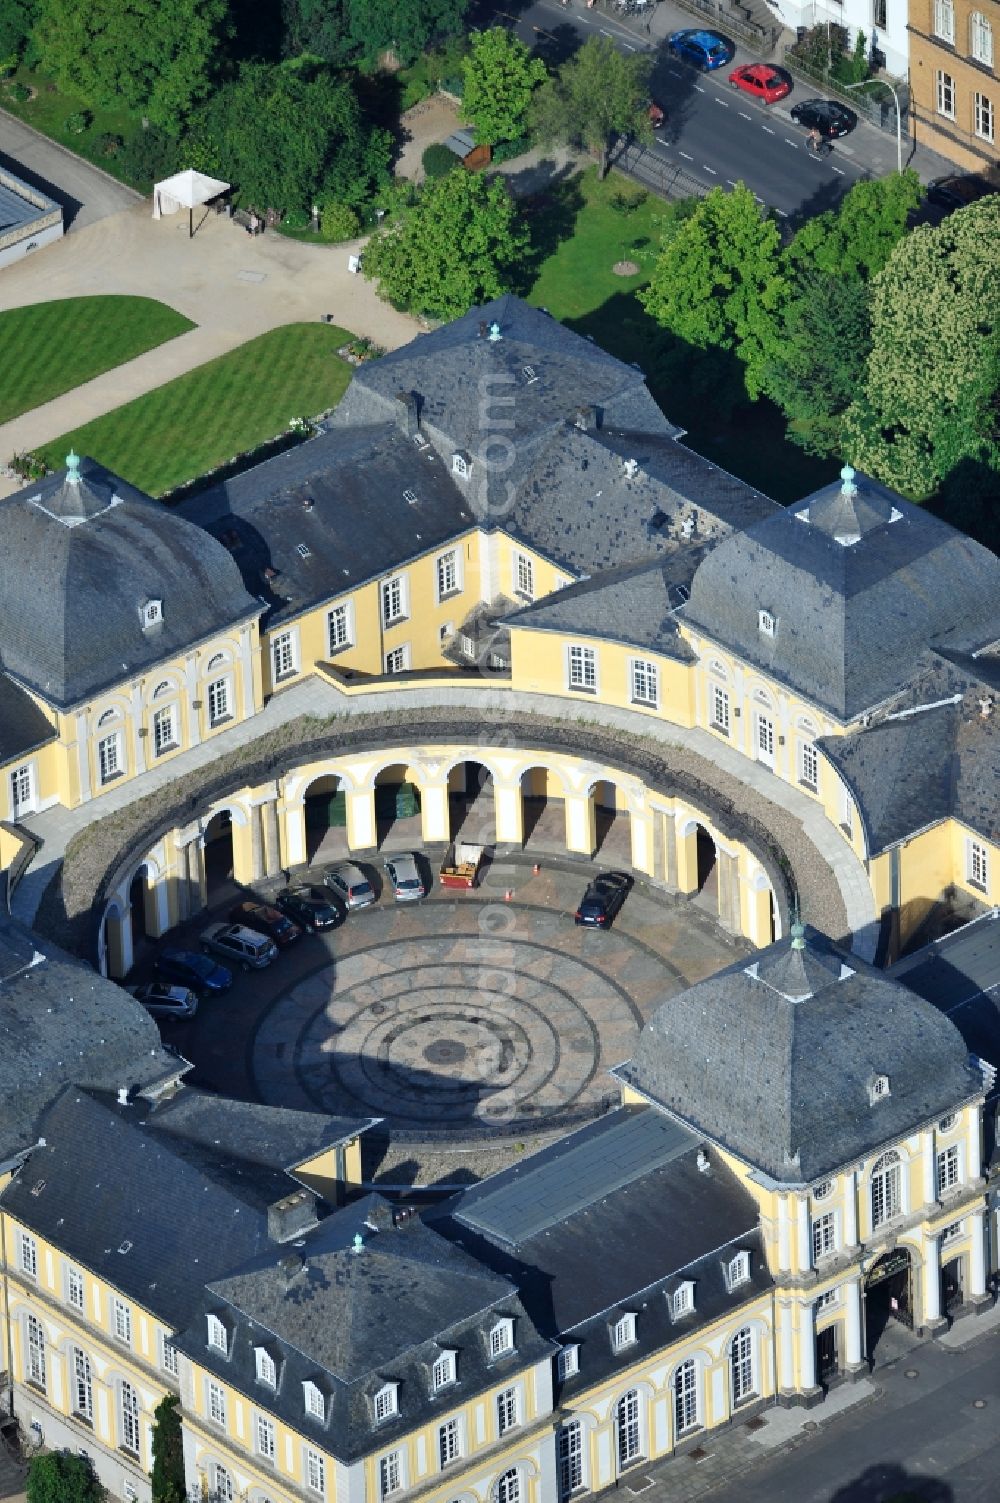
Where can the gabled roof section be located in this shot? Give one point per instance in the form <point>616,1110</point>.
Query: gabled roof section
<point>774,1060</point>
<point>853,612</point>
<point>23,725</point>
<point>633,604</point>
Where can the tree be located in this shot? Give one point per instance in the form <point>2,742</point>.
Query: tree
<point>597,97</point>
<point>17,17</point>
<point>818,361</point>
<point>929,400</point>
<point>857,239</point>
<point>460,244</point>
<point>718,280</point>
<point>61,1477</point>
<point>404,27</point>
<point>157,56</point>
<point>500,78</point>
<point>289,137</point>
<point>167,1476</point>
<point>317,27</point>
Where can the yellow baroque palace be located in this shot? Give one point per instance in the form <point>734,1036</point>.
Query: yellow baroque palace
<point>499,563</point>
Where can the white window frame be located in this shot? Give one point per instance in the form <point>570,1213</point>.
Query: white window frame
<point>284,656</point>
<point>267,1368</point>
<point>217,1335</point>
<point>945,94</point>
<point>447,566</point>
<point>121,1320</point>
<point>719,709</point>
<point>981,40</point>
<point>977,864</point>
<point>215,1402</point>
<point>742,1366</point>
<point>265,1438</point>
<point>315,1471</point>
<point>23,791</point>
<point>823,1190</point>
<point>827,1298</point>
<point>682,1301</point>
<point>449,1442</point>
<point>82,1375</point>
<point>76,1293</point>
<point>459,465</point>
<point>581,668</point>
<point>568,1362</point>
<point>944,21</point>
<point>501,1338</point>
<point>738,1270</point>
<point>644,683</point>
<point>984,117</point>
<point>880,1089</point>
<point>219,701</point>
<point>886,1189</point>
<point>223,1488</point>
<point>169,1356</point>
<point>623,1332</point>
<point>385,1404</point>
<point>824,1236</point>
<point>34,1351</point>
<point>948,1169</point>
<point>767,624</point>
<point>165,737</point>
<point>569,1458</point>
<point>523,575</point>
<point>628,1429</point>
<point>393,599</point>
<point>151,613</point>
<point>443,1372</point>
<point>109,757</point>
<point>509,1486</point>
<point>27,1254</point>
<point>339,628</point>
<point>809,765</point>
<point>508,1409</point>
<point>129,1410</point>
<point>390,1474</point>
<point>952,1232</point>
<point>314,1400</point>
<point>687,1405</point>
<point>397,659</point>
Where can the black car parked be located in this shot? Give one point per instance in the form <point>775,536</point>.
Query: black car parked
<point>831,119</point>
<point>312,907</point>
<point>603,898</point>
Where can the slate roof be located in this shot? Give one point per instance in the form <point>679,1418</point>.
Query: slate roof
<point>852,616</point>
<point>20,205</point>
<point>773,1059</point>
<point>935,757</point>
<point>78,561</point>
<point>634,604</point>
<point>23,726</point>
<point>350,1320</point>
<point>638,1219</point>
<point>61,1022</point>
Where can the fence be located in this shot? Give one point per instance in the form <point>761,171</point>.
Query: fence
<point>662,176</point>
<point>736,20</point>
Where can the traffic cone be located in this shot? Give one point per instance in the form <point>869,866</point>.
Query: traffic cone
<point>508,896</point>
<point>536,868</point>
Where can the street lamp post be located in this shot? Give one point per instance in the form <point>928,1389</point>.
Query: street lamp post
<point>895,99</point>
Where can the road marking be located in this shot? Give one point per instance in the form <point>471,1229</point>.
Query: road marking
<point>745,117</point>
<point>605,33</point>
<point>706,168</point>
<point>699,89</point>
<point>767,130</point>
<point>838,170</point>
<point>628,46</point>
<point>780,212</point>
<point>723,102</point>
<point>687,157</point>
<point>730,183</point>
<point>793,144</point>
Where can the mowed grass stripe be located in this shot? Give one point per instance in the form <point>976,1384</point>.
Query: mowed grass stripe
<point>195,422</point>
<point>47,349</point>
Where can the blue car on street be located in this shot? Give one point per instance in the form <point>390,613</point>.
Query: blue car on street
<point>706,49</point>
<point>197,972</point>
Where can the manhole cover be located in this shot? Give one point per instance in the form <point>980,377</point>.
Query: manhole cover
<point>911,1372</point>
<point>810,1425</point>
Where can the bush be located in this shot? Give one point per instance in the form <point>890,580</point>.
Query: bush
<point>148,155</point>
<point>438,160</point>
<point>28,466</point>
<point>19,92</point>
<point>338,222</point>
<point>820,48</point>
<point>60,1477</point>
<point>79,122</point>
<point>853,69</point>
<point>627,202</point>
<point>111,144</point>
<point>505,151</point>
<point>296,219</point>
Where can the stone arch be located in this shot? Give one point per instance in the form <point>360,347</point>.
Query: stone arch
<point>471,783</point>
<point>542,794</point>
<point>161,688</point>
<point>219,845</point>
<point>718,669</point>
<point>324,808</point>
<point>115,945</point>
<point>397,788</point>
<point>110,716</point>
<point>611,814</point>
<point>221,659</point>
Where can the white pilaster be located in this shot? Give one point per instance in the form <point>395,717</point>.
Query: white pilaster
<point>930,1176</point>
<point>803,1247</point>
<point>246,669</point>
<point>786,1349</point>
<point>932,1280</point>
<point>851,1209</point>
<point>852,1322</point>
<point>784,1260</point>
<point>807,1347</point>
<point>977,1257</point>
<point>973,1154</point>
<point>83,755</point>
<point>191,682</point>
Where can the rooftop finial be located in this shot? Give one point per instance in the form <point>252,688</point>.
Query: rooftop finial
<point>494,331</point>
<point>359,1242</point>
<point>798,935</point>
<point>72,468</point>
<point>847,476</point>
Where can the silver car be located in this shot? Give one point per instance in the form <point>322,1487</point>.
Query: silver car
<point>246,947</point>
<point>403,873</point>
<point>161,1000</point>
<point>350,884</point>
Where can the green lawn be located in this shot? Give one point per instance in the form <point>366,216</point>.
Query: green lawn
<point>578,237</point>
<point>49,348</point>
<point>218,410</point>
<point>49,110</point>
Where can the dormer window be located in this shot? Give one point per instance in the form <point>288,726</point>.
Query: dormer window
<point>766,623</point>
<point>460,465</point>
<point>386,1402</point>
<point>501,1338</point>
<point>218,1336</point>
<point>314,1400</point>
<point>879,1089</point>
<point>443,1371</point>
<point>738,1270</point>
<point>151,613</point>
<point>568,1363</point>
<point>530,374</point>
<point>267,1368</point>
<point>682,1300</point>
<point>410,497</point>
<point>303,550</point>
<point>623,1333</point>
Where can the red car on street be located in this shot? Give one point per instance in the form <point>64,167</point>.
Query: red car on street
<point>761,81</point>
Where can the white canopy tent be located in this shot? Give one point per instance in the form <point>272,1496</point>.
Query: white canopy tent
<point>185,190</point>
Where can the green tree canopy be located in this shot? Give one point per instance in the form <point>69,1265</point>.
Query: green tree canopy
<point>929,400</point>
<point>597,97</point>
<point>61,1477</point>
<point>718,280</point>
<point>460,244</point>
<point>317,27</point>
<point>857,239</point>
<point>817,363</point>
<point>167,1476</point>
<point>17,17</point>
<point>288,137</point>
<point>500,78</point>
<point>157,56</point>
<point>402,26</point>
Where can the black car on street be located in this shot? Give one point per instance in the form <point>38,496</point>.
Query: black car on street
<point>827,116</point>
<point>602,900</point>
<point>312,907</point>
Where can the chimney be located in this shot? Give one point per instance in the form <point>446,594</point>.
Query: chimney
<point>307,503</point>
<point>408,412</point>
<point>289,1268</point>
<point>482,328</point>
<point>290,1217</point>
<point>380,1217</point>
<point>123,1095</point>
<point>703,1161</point>
<point>587,418</point>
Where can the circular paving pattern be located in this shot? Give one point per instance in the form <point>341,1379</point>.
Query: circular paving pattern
<point>507,1020</point>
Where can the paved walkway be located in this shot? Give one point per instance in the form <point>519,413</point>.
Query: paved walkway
<point>833,887</point>
<point>85,192</point>
<point>233,287</point>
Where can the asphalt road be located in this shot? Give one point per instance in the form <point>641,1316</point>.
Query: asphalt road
<point>85,193</point>
<point>713,133</point>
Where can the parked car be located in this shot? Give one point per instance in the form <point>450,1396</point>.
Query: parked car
<point>959,190</point>
<point>706,49</point>
<point>266,920</point>
<point>603,898</point>
<point>248,949</point>
<point>830,118</point>
<point>190,969</point>
<point>173,1004</point>
<point>350,884</point>
<point>404,874</point>
<point>312,907</point>
<point>762,82</point>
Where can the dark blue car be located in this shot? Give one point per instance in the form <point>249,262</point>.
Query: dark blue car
<point>706,49</point>
<point>188,968</point>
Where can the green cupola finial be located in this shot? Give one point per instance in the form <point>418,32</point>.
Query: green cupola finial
<point>72,468</point>
<point>847,476</point>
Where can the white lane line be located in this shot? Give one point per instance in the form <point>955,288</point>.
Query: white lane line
<point>767,130</point>
<point>794,145</point>
<point>838,170</point>
<point>723,102</point>
<point>706,168</point>
<point>606,33</point>
<point>780,212</point>
<point>730,183</point>
<point>628,46</point>
<point>700,89</point>
<point>744,116</point>
<point>686,155</point>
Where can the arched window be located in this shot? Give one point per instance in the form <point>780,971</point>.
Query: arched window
<point>222,1485</point>
<point>570,1457</point>
<point>35,1366</point>
<point>164,687</point>
<point>981,38</point>
<point>216,662</point>
<point>108,716</point>
<point>741,1362</point>
<point>887,1188</point>
<point>719,669</point>
<point>686,1397</point>
<point>83,1385</point>
<point>509,1487</point>
<point>629,1429</point>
